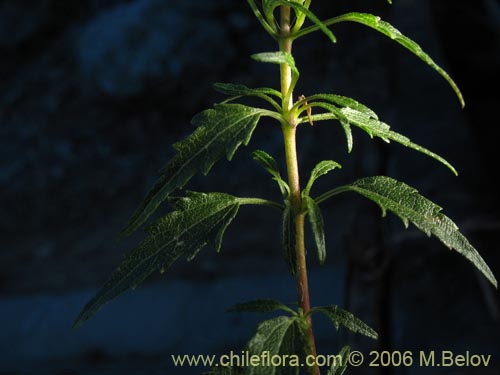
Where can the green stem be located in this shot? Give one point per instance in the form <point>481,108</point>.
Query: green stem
<point>289,134</point>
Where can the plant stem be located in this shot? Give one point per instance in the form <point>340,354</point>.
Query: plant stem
<point>289,134</point>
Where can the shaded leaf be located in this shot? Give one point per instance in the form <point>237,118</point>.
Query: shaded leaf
<point>410,206</point>
<point>344,318</point>
<point>261,306</point>
<point>220,132</point>
<point>322,168</point>
<point>270,165</point>
<point>317,226</point>
<point>387,29</point>
<point>288,238</point>
<point>341,362</point>
<point>279,336</point>
<point>197,220</point>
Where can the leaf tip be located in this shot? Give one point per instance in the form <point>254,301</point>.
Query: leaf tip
<point>82,318</point>
<point>491,278</point>
<point>384,211</point>
<point>372,334</point>
<point>124,233</point>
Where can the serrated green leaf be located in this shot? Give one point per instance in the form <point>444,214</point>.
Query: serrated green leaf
<point>300,9</point>
<point>332,106</point>
<point>364,118</point>
<point>376,128</point>
<point>341,362</point>
<point>317,227</point>
<point>197,220</point>
<point>288,238</point>
<point>261,306</point>
<point>387,29</point>
<point>344,101</point>
<point>279,336</point>
<point>340,317</point>
<point>410,206</point>
<point>220,132</point>
<point>270,165</point>
<point>322,168</point>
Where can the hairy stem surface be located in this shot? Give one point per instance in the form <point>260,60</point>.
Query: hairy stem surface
<point>289,135</point>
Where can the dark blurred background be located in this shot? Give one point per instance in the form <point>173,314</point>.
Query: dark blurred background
<point>93,94</point>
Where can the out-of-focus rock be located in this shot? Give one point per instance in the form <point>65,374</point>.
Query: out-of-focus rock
<point>132,46</point>
<point>21,20</point>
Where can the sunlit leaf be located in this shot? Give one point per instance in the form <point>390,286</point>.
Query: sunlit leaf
<point>387,29</point>
<point>322,168</point>
<point>364,118</point>
<point>410,206</point>
<point>220,131</point>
